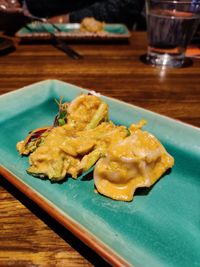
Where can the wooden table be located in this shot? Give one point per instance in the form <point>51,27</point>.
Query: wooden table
<point>28,236</point>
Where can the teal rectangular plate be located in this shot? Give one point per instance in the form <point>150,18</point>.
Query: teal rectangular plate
<point>36,31</point>
<point>160,227</point>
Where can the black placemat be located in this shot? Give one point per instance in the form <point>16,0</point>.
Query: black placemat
<point>6,46</point>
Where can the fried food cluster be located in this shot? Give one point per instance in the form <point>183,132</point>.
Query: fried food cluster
<point>82,137</point>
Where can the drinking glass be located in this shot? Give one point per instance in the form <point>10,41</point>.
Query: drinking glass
<point>170,28</point>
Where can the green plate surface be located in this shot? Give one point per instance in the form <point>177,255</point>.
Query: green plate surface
<point>161,227</point>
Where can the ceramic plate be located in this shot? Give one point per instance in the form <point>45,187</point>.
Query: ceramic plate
<point>160,227</point>
<point>71,31</point>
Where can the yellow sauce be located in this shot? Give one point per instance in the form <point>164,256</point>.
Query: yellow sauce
<point>126,158</point>
<point>68,151</point>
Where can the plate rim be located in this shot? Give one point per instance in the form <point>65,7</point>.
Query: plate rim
<point>72,35</point>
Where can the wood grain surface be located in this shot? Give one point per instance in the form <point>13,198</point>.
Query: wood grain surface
<point>30,237</point>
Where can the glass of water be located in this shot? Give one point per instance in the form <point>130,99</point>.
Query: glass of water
<point>170,28</point>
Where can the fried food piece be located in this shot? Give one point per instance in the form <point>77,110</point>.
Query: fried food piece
<point>91,25</point>
<point>87,111</point>
<point>137,161</point>
<point>49,160</point>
